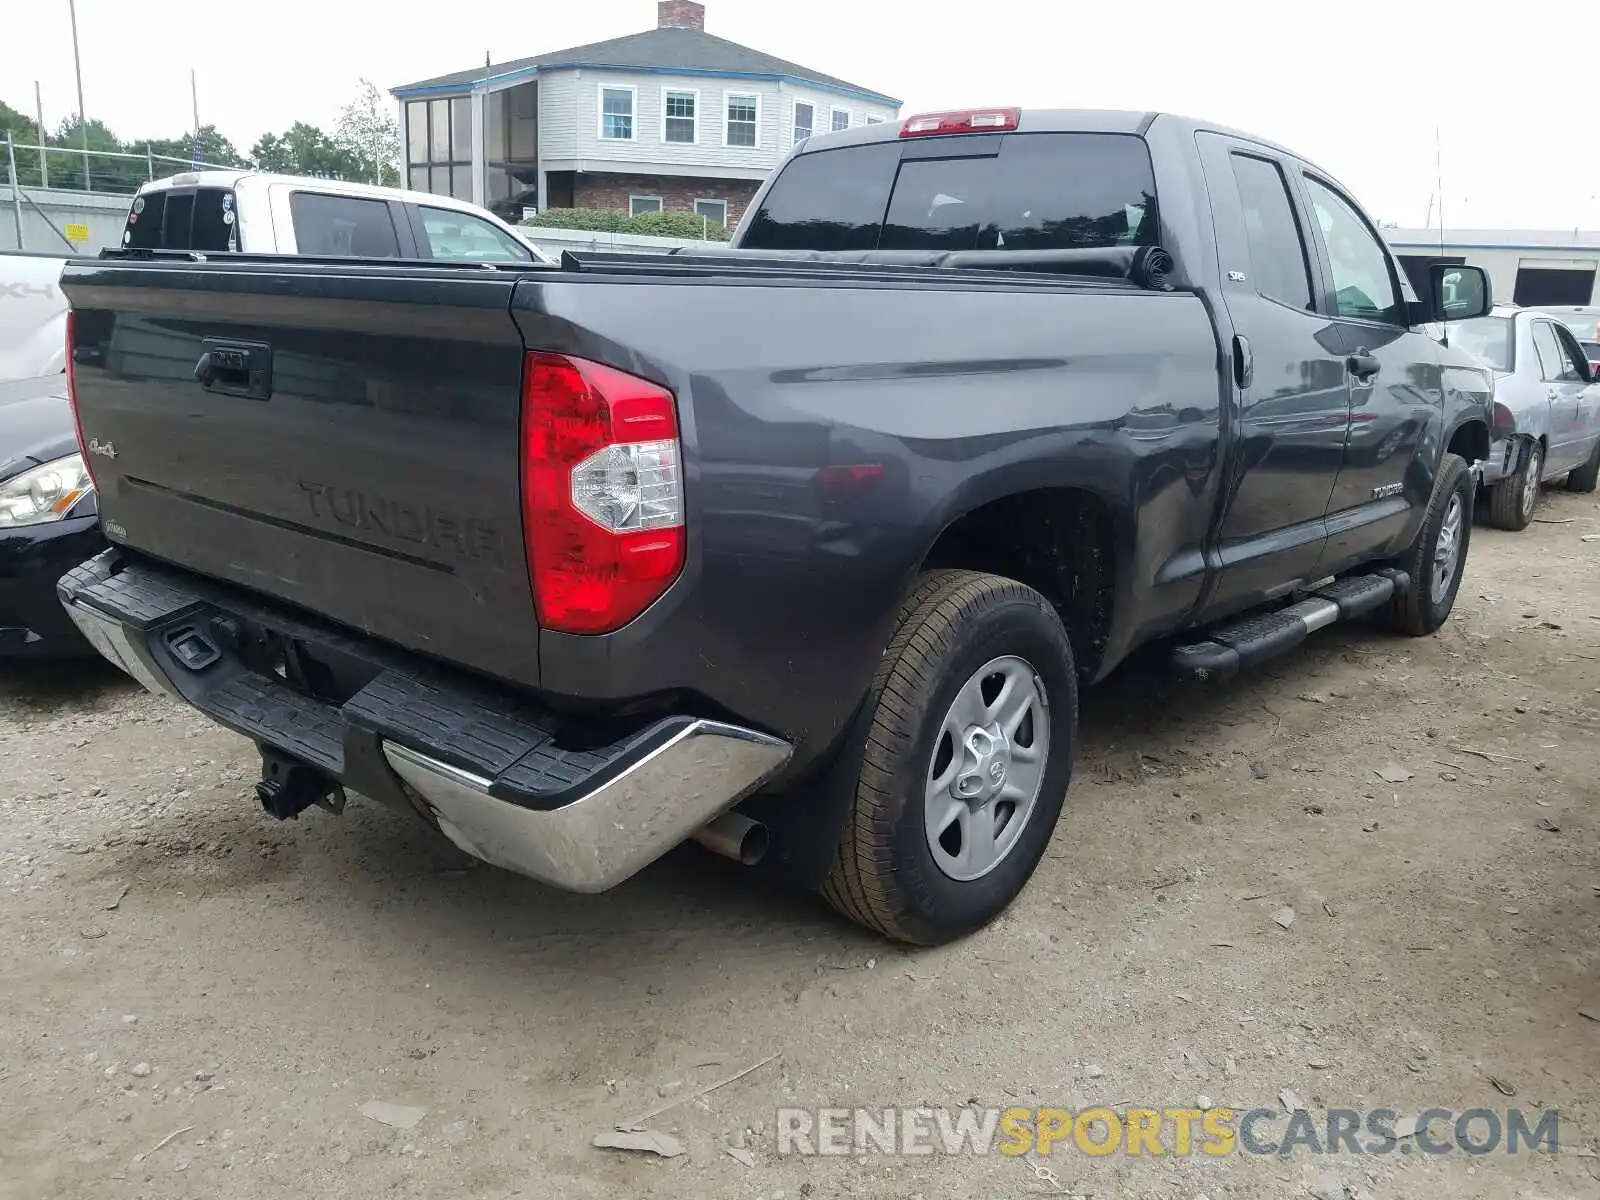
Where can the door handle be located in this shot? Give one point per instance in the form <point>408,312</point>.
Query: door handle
<point>235,368</point>
<point>1244,364</point>
<point>1362,365</point>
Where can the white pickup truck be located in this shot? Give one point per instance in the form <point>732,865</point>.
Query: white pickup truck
<point>33,315</point>
<point>254,213</point>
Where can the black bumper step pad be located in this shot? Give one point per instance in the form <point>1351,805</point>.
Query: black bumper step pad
<point>504,741</point>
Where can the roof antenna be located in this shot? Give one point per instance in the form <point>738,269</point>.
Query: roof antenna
<point>486,61</point>
<point>1438,185</point>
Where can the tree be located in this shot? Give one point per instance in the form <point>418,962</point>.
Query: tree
<point>105,174</point>
<point>306,150</point>
<point>24,132</point>
<point>369,133</point>
<point>215,151</point>
<point>365,146</point>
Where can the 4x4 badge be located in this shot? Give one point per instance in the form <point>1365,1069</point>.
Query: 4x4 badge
<point>103,449</point>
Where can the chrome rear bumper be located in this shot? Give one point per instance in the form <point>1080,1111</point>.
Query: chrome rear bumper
<point>107,635</point>
<point>496,773</point>
<point>610,834</point>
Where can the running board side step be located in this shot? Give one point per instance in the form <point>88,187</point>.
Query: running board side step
<point>1257,638</point>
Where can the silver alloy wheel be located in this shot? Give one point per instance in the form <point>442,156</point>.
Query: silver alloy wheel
<point>987,768</point>
<point>1447,550</point>
<point>1530,486</point>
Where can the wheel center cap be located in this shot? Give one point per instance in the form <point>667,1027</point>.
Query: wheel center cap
<point>986,760</point>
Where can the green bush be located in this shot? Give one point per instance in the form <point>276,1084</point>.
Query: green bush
<point>676,224</point>
<point>600,220</point>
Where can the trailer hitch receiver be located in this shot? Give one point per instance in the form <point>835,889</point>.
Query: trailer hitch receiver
<point>288,787</point>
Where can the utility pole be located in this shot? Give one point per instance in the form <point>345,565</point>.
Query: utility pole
<point>83,117</point>
<point>44,155</point>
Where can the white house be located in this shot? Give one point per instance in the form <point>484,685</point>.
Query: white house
<point>672,119</point>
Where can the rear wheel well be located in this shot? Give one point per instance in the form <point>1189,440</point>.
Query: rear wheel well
<point>1059,542</point>
<point>1471,442</point>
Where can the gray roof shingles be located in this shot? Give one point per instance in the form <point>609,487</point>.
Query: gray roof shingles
<point>655,49</point>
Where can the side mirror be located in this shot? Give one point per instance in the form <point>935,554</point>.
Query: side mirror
<point>1459,293</point>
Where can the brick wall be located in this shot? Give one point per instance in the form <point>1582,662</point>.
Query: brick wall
<point>678,193</point>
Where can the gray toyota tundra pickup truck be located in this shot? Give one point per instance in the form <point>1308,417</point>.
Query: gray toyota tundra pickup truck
<point>810,542</point>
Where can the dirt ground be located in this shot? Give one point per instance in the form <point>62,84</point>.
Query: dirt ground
<point>174,963</point>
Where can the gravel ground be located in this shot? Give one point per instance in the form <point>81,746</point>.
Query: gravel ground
<point>174,963</point>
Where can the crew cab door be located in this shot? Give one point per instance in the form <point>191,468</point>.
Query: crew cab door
<point>1557,352</point>
<point>1291,404</point>
<point>1395,376</point>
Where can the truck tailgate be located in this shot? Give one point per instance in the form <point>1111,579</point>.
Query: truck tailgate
<point>343,440</point>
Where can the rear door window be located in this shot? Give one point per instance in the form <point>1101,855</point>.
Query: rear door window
<point>1551,360</point>
<point>1277,251</point>
<point>1033,191</point>
<point>343,226</point>
<point>1569,350</point>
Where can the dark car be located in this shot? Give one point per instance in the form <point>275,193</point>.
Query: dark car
<point>49,518</point>
<point>829,525</point>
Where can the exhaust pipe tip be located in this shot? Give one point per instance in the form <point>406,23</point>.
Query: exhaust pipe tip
<point>734,835</point>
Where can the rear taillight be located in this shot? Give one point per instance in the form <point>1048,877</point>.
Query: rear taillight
<point>72,394</point>
<point>602,492</point>
<point>967,120</point>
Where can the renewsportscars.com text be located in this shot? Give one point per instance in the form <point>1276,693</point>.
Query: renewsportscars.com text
<point>1178,1132</point>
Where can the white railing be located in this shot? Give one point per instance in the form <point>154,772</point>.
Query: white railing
<point>81,170</point>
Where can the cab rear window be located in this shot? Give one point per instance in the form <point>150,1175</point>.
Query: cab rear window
<point>183,219</point>
<point>1019,191</point>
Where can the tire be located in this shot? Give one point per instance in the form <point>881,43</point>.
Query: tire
<point>888,871</point>
<point>1511,500</point>
<point>1423,607</point>
<point>1584,478</point>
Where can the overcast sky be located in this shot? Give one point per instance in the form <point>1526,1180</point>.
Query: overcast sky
<point>1356,85</point>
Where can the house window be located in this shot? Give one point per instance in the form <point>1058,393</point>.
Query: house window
<point>841,119</point>
<point>874,120</point>
<point>805,120</point>
<point>715,211</point>
<point>616,113</point>
<point>643,204</point>
<point>679,119</point>
<point>743,117</point>
<point>439,146</point>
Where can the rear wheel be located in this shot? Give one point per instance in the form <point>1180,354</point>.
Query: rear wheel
<point>964,770</point>
<point>1512,499</point>
<point>1584,478</point>
<point>1438,557</point>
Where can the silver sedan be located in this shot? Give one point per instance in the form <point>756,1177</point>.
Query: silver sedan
<point>1546,410</point>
